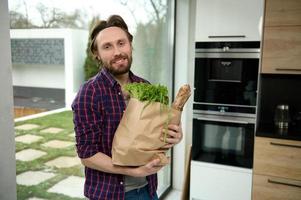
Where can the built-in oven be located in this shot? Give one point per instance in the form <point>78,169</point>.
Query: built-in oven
<point>224,140</point>
<point>226,76</point>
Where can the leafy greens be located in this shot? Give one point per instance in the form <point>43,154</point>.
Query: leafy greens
<point>148,92</point>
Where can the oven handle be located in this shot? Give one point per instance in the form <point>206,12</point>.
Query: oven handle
<point>222,120</point>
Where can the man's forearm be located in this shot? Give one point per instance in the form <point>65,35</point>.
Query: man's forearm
<point>103,163</point>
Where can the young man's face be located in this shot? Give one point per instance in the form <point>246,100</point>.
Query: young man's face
<point>114,50</point>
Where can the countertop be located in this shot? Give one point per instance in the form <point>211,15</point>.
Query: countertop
<point>292,133</point>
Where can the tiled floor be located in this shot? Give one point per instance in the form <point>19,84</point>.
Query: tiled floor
<point>173,195</point>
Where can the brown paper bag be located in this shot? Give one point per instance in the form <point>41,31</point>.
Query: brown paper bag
<point>137,138</point>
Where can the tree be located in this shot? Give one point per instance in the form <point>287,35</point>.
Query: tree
<point>18,20</point>
<point>51,17</point>
<point>91,66</point>
<point>56,18</point>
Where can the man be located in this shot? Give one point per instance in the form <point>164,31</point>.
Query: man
<point>98,109</point>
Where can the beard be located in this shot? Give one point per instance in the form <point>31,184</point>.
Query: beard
<point>119,69</point>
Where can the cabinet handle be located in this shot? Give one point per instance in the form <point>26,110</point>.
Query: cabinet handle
<point>288,69</point>
<point>226,36</point>
<point>285,145</point>
<point>286,182</point>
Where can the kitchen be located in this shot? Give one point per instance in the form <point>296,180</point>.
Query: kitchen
<point>275,169</point>
<point>246,108</point>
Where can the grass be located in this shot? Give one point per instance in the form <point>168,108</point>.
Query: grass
<point>59,120</point>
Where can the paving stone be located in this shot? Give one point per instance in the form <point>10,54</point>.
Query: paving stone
<point>63,162</point>
<point>29,154</point>
<point>28,139</point>
<point>52,130</point>
<point>27,127</point>
<point>72,186</point>
<point>58,144</point>
<point>33,177</point>
<point>35,198</point>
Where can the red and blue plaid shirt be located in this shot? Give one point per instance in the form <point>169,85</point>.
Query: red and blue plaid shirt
<point>97,111</point>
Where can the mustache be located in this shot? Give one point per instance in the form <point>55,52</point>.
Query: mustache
<point>118,57</point>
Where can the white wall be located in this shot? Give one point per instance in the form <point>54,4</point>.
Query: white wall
<point>68,77</point>
<point>44,76</point>
<point>7,143</point>
<point>183,74</point>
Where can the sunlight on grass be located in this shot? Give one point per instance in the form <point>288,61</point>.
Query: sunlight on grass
<point>61,120</point>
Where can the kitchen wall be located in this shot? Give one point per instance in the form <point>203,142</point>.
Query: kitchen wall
<point>7,143</point>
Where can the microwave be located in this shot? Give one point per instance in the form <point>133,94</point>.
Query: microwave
<point>226,77</point>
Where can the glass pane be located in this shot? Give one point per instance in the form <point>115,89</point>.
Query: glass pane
<point>150,22</point>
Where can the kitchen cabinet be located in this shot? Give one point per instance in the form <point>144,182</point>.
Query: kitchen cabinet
<point>267,187</point>
<point>277,169</point>
<point>231,20</point>
<point>282,13</point>
<point>281,49</point>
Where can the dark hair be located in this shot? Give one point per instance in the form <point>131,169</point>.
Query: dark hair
<point>112,21</point>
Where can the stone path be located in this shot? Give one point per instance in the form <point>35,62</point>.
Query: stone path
<point>64,162</point>
<point>29,154</point>
<point>30,178</point>
<point>28,139</point>
<point>52,130</point>
<point>71,186</point>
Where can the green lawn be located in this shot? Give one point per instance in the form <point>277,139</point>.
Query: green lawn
<point>60,120</point>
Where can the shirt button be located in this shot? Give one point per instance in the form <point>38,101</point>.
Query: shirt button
<point>119,93</point>
<point>121,183</point>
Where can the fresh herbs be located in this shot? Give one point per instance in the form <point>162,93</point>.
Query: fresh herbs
<point>148,92</point>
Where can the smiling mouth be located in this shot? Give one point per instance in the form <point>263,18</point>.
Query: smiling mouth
<point>119,60</point>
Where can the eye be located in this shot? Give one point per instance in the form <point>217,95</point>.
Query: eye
<point>121,43</point>
<point>106,47</point>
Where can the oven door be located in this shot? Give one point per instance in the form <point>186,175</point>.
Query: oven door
<point>227,79</point>
<point>223,141</point>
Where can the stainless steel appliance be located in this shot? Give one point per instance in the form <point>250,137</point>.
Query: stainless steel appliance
<point>224,108</point>
<point>224,140</point>
<point>226,76</point>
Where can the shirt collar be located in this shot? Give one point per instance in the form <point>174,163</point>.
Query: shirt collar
<point>110,79</point>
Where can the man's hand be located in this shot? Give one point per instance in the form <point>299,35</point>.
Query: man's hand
<point>174,135</point>
<point>150,168</point>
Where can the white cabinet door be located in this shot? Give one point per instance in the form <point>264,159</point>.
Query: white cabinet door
<point>228,20</point>
<point>216,182</point>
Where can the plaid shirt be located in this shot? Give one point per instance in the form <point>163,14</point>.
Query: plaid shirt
<point>97,111</point>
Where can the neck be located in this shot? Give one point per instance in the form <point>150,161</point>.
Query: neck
<point>122,79</point>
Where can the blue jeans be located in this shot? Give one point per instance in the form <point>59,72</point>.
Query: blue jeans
<point>139,194</point>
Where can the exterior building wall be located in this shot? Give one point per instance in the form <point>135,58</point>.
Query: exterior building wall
<point>54,59</point>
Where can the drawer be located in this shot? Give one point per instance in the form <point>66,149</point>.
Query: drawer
<point>272,188</point>
<point>277,157</point>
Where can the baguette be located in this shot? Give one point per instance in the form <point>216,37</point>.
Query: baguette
<point>181,98</point>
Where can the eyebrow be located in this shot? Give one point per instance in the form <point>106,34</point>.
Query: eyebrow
<point>109,43</point>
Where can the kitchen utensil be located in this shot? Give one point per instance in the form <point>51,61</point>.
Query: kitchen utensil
<point>282,116</point>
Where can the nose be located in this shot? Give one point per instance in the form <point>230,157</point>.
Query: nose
<point>116,51</point>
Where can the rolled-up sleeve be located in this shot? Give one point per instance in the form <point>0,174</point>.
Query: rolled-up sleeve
<point>88,122</point>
